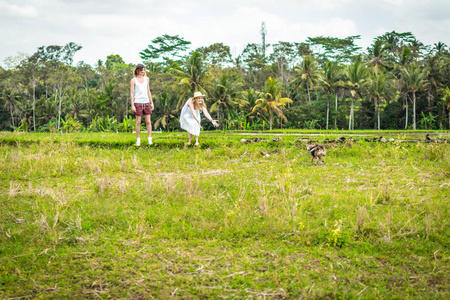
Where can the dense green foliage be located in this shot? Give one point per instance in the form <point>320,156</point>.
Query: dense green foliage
<point>84,217</point>
<point>397,83</point>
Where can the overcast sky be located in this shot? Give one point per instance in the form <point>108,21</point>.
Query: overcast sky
<point>126,27</point>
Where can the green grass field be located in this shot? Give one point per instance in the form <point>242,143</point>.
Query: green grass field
<point>93,216</point>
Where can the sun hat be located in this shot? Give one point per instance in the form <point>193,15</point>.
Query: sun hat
<point>198,94</point>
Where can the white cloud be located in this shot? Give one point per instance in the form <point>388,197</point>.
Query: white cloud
<point>20,11</point>
<point>244,25</point>
<point>105,25</point>
<point>331,4</point>
<point>126,27</point>
<point>394,2</point>
<point>335,27</point>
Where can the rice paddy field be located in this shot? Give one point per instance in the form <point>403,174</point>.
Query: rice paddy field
<point>91,216</point>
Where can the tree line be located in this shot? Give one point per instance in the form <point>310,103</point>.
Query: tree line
<point>321,83</point>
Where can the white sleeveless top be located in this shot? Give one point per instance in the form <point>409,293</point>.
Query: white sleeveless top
<point>140,91</point>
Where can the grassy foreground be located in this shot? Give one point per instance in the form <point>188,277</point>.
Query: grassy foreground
<point>256,221</point>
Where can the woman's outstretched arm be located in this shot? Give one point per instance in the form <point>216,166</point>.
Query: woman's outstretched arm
<point>208,116</point>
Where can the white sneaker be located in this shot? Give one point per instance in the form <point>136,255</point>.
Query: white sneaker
<point>150,141</point>
<point>138,142</point>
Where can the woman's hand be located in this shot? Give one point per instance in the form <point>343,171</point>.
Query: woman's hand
<point>215,123</point>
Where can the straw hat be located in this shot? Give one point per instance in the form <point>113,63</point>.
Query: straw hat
<point>198,94</point>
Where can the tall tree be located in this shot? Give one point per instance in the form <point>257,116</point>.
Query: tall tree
<point>61,79</point>
<point>113,61</point>
<point>307,73</point>
<point>283,57</point>
<point>356,80</point>
<point>29,72</point>
<point>378,55</point>
<point>44,63</point>
<point>302,49</point>
<point>56,53</point>
<point>400,47</point>
<point>381,87</point>
<point>47,108</point>
<point>165,110</point>
<point>169,48</point>
<point>76,105</point>
<point>10,98</point>
<point>87,75</point>
<point>216,54</point>
<point>69,51</point>
<point>440,48</point>
<point>446,101</point>
<point>434,65</point>
<point>193,76</point>
<point>249,98</point>
<point>331,80</point>
<point>272,102</point>
<point>253,64</point>
<point>330,48</point>
<point>225,92</point>
<point>414,79</point>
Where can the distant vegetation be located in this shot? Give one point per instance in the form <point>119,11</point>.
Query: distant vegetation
<point>321,83</point>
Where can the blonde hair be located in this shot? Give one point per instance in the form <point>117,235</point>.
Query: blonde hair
<point>197,104</point>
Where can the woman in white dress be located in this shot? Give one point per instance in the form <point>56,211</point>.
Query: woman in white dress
<point>190,116</point>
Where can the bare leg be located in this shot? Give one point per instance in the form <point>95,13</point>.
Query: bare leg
<point>190,139</point>
<point>149,125</point>
<point>138,126</point>
<point>196,140</point>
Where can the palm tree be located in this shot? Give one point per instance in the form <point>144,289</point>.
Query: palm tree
<point>10,97</point>
<point>225,92</point>
<point>330,81</point>
<point>76,105</point>
<point>249,97</point>
<point>378,55</point>
<point>193,77</point>
<point>109,95</point>
<point>416,48</point>
<point>24,110</point>
<point>61,78</point>
<point>414,80</point>
<point>356,79</point>
<point>446,101</point>
<point>403,59</point>
<point>47,108</point>
<point>93,103</point>
<point>440,47</point>
<point>435,64</point>
<point>380,87</point>
<point>272,101</point>
<point>166,111</point>
<point>308,73</point>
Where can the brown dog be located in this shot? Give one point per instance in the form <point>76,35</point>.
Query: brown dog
<point>318,152</point>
